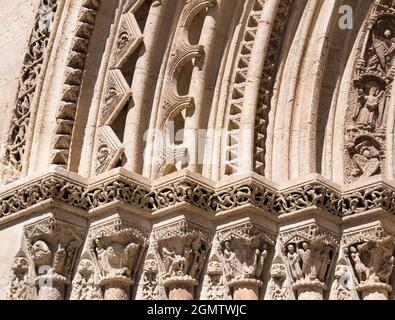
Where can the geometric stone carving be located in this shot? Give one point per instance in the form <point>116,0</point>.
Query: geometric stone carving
<point>129,39</point>
<point>371,252</point>
<point>52,246</point>
<point>264,104</point>
<point>116,93</point>
<point>110,150</point>
<point>73,80</point>
<point>117,249</point>
<point>175,103</point>
<point>310,252</point>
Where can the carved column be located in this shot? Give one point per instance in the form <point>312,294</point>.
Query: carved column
<point>244,249</point>
<point>310,252</point>
<point>182,248</point>
<point>53,245</point>
<point>371,254</point>
<point>117,249</point>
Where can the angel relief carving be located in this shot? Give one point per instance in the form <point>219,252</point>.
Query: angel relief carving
<point>369,111</point>
<point>366,119</point>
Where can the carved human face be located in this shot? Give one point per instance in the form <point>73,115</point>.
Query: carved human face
<point>366,153</point>
<point>214,268</point>
<point>20,265</point>
<point>291,249</point>
<point>123,40</point>
<point>278,271</point>
<point>115,252</point>
<point>151,266</point>
<point>387,33</point>
<point>41,253</point>
<point>341,271</point>
<point>85,268</point>
<point>305,246</point>
<point>373,91</point>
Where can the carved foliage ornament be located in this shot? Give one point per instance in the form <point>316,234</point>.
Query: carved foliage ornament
<point>32,67</point>
<point>132,193</point>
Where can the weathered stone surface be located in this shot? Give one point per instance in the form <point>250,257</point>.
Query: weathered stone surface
<point>197,149</point>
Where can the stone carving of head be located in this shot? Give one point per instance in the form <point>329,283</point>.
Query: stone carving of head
<point>278,271</point>
<point>20,265</point>
<point>41,253</point>
<point>115,253</point>
<point>85,268</point>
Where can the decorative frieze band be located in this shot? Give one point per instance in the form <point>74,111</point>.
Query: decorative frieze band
<point>56,186</point>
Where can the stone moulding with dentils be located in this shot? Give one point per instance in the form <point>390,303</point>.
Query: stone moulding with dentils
<point>73,82</point>
<point>121,188</point>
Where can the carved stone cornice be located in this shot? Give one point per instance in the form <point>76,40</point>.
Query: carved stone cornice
<point>205,195</point>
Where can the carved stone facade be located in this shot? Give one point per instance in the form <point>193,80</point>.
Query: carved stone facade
<point>198,149</point>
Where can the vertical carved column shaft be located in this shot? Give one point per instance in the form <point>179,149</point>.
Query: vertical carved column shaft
<point>247,125</point>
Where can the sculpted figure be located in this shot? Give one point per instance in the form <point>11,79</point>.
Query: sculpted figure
<point>367,161</point>
<point>368,110</point>
<point>259,262</point>
<point>360,268</point>
<point>305,254</point>
<point>115,260</point>
<point>174,264</point>
<point>41,253</point>
<point>342,283</point>
<point>383,48</point>
<point>277,288</point>
<point>294,261</point>
<point>19,280</point>
<point>84,287</point>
